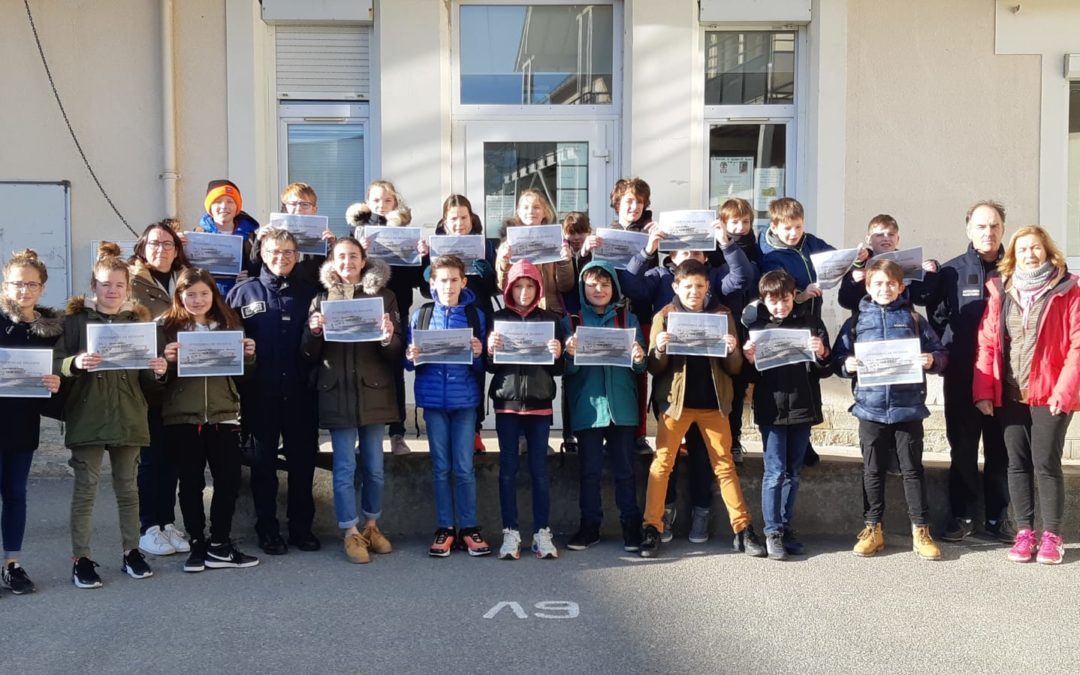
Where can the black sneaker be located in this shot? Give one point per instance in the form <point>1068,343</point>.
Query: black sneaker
<point>737,453</point>
<point>84,575</point>
<point>586,536</point>
<point>650,542</point>
<point>791,542</point>
<point>1001,530</point>
<point>631,537</point>
<point>569,446</point>
<point>774,546</point>
<point>135,565</point>
<point>16,578</point>
<point>748,541</point>
<point>222,556</point>
<point>305,541</point>
<point>958,530</point>
<point>811,458</point>
<point>272,544</point>
<point>196,560</point>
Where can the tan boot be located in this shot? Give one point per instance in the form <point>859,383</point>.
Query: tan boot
<point>377,541</point>
<point>871,540</point>
<point>356,548</point>
<point>923,544</point>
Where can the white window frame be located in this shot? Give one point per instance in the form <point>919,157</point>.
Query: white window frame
<point>320,112</point>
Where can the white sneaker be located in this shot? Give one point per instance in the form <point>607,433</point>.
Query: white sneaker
<point>511,545</point>
<point>155,542</point>
<point>542,545</point>
<point>176,538</point>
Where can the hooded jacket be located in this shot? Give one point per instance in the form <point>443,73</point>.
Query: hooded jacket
<point>601,396</point>
<point>449,386</point>
<point>105,407</point>
<point>355,380</point>
<point>796,262</point>
<point>403,280</point>
<point>23,415</point>
<point>525,389</point>
<point>894,403</point>
<point>202,400</point>
<point>147,291</point>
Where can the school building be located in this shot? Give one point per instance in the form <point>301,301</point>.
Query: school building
<point>915,108</point>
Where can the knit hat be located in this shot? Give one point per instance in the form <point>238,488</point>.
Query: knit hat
<point>216,189</point>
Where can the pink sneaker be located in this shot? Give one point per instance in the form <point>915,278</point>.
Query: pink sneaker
<point>1051,550</point>
<point>1024,547</point>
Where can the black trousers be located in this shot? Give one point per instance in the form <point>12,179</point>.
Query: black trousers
<point>739,382</point>
<point>192,447</point>
<point>701,479</point>
<point>879,442</point>
<point>292,421</point>
<point>1035,439</point>
<point>157,478</point>
<point>964,425</point>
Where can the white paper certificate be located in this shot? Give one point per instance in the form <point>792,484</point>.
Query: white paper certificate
<point>619,246</point>
<point>308,230</point>
<point>123,345</point>
<point>883,362</point>
<point>775,347</point>
<point>21,371</point>
<point>393,245</point>
<point>536,243</point>
<point>831,266</point>
<point>220,254</point>
<point>910,260</point>
<point>205,353</point>
<point>355,320</point>
<point>697,334</point>
<point>689,230</point>
<point>468,247</point>
<point>452,345</point>
<point>604,347</point>
<point>525,342</point>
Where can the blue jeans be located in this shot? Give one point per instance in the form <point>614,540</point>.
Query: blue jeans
<point>536,429</point>
<point>14,471</point>
<point>784,449</point>
<point>620,451</point>
<point>347,480</point>
<point>450,442</point>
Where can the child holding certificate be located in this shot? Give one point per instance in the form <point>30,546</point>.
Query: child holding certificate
<point>890,416</point>
<point>105,411</point>
<point>522,395</point>
<point>883,236</point>
<point>534,209</point>
<point>225,215</point>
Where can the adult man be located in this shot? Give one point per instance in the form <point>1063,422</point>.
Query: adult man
<point>955,311</point>
<point>277,404</point>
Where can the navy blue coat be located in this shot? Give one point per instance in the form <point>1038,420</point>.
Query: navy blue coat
<point>796,262</point>
<point>449,386</point>
<point>888,404</point>
<point>956,309</point>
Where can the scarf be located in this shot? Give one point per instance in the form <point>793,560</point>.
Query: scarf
<point>775,242</point>
<point>1029,281</point>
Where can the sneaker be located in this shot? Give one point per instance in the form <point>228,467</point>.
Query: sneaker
<point>748,541</point>
<point>569,446</point>
<point>791,542</point>
<point>176,538</point>
<point>811,458</point>
<point>774,546</point>
<point>305,541</point>
<point>398,446</point>
<point>737,453</point>
<point>356,548</point>
<point>227,556</point>
<point>272,543</point>
<point>669,519</point>
<point>377,541</point>
<point>650,542</point>
<point>84,575</point>
<point>631,535</point>
<point>870,540</point>
<point>135,565</point>
<point>472,542</point>
<point>586,536</point>
<point>923,544</point>
<point>16,579</point>
<point>643,447</point>
<point>196,560</point>
<point>699,525</point>
<point>1002,530</point>
<point>958,530</point>
<point>156,542</point>
<point>1051,549</point>
<point>511,545</point>
<point>478,444</point>
<point>543,546</point>
<point>443,544</point>
<point>1025,546</point>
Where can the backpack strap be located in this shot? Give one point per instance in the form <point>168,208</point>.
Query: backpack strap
<point>472,317</point>
<point>423,319</point>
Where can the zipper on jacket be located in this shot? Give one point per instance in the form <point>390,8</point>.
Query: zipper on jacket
<point>206,400</point>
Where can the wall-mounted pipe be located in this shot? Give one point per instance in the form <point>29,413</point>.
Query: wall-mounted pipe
<point>169,176</point>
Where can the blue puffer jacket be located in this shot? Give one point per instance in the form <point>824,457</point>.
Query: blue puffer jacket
<point>796,262</point>
<point>888,404</point>
<point>449,386</point>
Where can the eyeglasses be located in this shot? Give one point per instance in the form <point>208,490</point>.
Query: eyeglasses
<point>28,285</point>
<point>300,205</point>
<point>163,245</point>
<point>281,253</point>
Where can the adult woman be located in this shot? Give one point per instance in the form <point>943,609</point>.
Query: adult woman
<point>159,258</point>
<point>1027,373</point>
<point>23,324</point>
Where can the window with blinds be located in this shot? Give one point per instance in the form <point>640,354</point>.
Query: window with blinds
<point>323,62</point>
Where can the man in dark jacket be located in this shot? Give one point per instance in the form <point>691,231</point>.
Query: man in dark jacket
<point>955,311</point>
<point>277,404</point>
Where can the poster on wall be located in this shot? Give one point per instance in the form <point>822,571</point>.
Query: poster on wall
<point>730,177</point>
<point>768,185</point>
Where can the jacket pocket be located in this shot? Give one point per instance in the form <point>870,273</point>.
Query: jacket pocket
<point>327,379</point>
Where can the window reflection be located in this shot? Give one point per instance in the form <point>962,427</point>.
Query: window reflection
<point>754,67</point>
<point>748,161</point>
<point>329,157</point>
<point>557,169</point>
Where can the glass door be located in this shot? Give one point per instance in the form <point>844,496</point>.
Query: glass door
<point>753,160</point>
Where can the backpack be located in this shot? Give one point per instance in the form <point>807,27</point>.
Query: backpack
<point>472,316</point>
<point>620,318</point>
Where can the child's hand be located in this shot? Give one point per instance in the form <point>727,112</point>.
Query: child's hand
<point>812,291</point>
<point>927,361</point>
<point>749,350</point>
<point>51,382</point>
<point>422,247</point>
<point>412,353</point>
<point>591,243</point>
<point>249,347</point>
<point>159,366</point>
<point>495,341</point>
<point>818,346</point>
<point>732,345</point>
<point>315,323</point>
<point>329,237</point>
<point>637,353</point>
<point>930,265</point>
<point>851,364</point>
<point>571,345</point>
<point>567,253</point>
<point>986,407</point>
<point>182,236</point>
<point>387,328</point>
<point>241,276</point>
<point>364,241</point>
<point>88,360</point>
<point>723,237</point>
<point>171,351</point>
<point>477,346</point>
<point>858,275</point>
<point>503,254</point>
<point>663,339</point>
<point>656,235</point>
<point>555,347</point>
<point>864,254</point>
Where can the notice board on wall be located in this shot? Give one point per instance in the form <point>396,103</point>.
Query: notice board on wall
<point>37,215</point>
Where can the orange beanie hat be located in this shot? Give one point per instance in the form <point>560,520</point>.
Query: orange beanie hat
<point>216,189</point>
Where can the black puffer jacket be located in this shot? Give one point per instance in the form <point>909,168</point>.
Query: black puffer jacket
<point>22,416</point>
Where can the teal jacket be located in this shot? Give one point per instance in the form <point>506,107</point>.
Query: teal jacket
<point>602,395</point>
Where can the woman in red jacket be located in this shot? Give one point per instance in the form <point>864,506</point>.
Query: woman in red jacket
<point>1027,372</point>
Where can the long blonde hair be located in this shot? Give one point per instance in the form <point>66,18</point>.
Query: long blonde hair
<point>1053,254</point>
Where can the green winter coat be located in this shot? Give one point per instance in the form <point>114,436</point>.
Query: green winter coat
<point>202,400</point>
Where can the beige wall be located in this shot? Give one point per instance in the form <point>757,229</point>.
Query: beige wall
<point>936,120</point>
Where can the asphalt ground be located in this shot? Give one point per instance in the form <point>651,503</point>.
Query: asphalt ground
<point>696,608</point>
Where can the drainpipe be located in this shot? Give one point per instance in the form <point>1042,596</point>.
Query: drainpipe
<point>168,110</point>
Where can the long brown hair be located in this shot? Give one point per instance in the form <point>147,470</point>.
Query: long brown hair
<point>1053,254</point>
<point>177,318</point>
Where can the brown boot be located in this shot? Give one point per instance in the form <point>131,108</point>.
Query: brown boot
<point>377,541</point>
<point>356,548</point>
<point>923,544</point>
<point>871,540</point>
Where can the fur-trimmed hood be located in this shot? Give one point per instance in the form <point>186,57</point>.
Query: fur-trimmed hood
<point>49,325</point>
<point>373,278</point>
<point>360,214</point>
<point>81,303</point>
